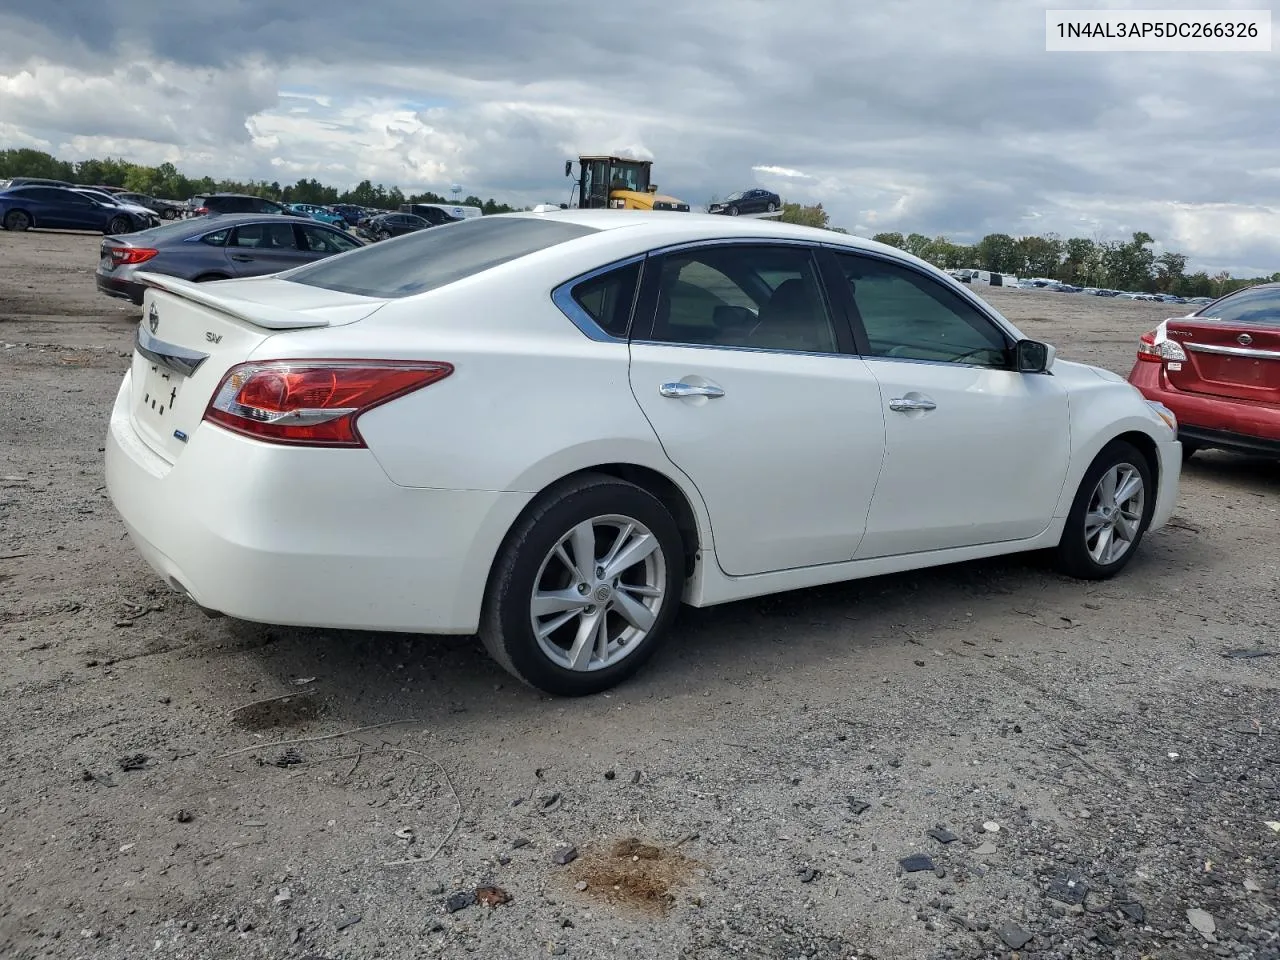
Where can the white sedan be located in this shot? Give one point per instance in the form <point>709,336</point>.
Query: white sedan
<point>551,429</point>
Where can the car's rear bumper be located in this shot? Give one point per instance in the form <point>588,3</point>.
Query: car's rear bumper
<point>1206,420</point>
<point>121,289</point>
<point>304,537</point>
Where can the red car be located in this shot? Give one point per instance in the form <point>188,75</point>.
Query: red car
<point>1218,370</point>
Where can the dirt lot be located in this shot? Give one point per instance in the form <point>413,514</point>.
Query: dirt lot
<point>750,795</point>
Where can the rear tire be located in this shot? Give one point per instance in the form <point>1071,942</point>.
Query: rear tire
<point>599,623</point>
<point>1111,512</point>
<point>169,214</point>
<point>17,220</point>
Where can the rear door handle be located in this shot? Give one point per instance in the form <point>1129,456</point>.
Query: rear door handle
<point>678,390</point>
<point>902,404</point>
<point>241,258</point>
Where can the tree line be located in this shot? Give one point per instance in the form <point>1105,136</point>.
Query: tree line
<point>1113,264</point>
<point>167,182</point>
<point>1130,265</point>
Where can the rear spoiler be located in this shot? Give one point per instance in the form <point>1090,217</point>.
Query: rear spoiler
<point>258,314</point>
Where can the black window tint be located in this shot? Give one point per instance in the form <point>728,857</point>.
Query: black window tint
<point>427,259</point>
<point>768,297</point>
<point>608,298</point>
<point>910,316</point>
<point>1258,305</point>
<point>216,239</point>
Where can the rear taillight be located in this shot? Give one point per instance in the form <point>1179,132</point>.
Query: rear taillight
<point>200,211</point>
<point>123,255</point>
<point>1155,347</point>
<point>313,402</point>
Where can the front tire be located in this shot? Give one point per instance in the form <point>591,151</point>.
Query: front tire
<point>772,206</point>
<point>169,214</point>
<point>1110,514</point>
<point>119,225</point>
<point>733,211</point>
<point>584,588</point>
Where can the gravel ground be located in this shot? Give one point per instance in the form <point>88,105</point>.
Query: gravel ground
<point>1096,763</point>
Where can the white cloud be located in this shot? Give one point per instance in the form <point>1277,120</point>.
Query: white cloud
<point>782,172</point>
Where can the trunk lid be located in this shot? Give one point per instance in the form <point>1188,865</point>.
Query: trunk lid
<point>191,334</point>
<point>1226,359</point>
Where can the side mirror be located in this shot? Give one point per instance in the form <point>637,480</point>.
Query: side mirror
<point>1032,356</point>
<point>568,168</point>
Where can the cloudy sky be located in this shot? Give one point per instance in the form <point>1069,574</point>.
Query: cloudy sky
<point>938,116</point>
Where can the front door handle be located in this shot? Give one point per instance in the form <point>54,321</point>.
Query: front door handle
<point>679,390</point>
<point>902,404</point>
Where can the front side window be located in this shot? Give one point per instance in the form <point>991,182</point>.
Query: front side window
<point>740,295</point>
<point>909,316</point>
<point>1256,305</point>
<point>427,259</point>
<point>608,298</point>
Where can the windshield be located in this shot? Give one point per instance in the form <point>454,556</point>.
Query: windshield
<point>734,196</point>
<point>422,261</point>
<point>629,176</point>
<point>1255,305</point>
<point>95,195</point>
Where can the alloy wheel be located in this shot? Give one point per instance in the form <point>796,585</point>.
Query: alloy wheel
<point>1113,519</point>
<point>598,593</point>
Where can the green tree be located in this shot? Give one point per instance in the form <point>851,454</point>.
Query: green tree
<point>813,216</point>
<point>891,239</point>
<point>1169,270</point>
<point>997,252</point>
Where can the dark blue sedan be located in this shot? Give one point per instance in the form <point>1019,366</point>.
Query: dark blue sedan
<point>57,208</point>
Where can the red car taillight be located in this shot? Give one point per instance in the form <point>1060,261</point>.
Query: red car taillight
<point>1155,348</point>
<point>313,402</point>
<point>123,255</point>
<point>200,211</point>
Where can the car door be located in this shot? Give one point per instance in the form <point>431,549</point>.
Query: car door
<point>750,382</point>
<point>976,452</point>
<point>257,248</point>
<point>53,209</point>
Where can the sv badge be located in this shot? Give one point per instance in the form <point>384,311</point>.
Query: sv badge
<point>213,337</point>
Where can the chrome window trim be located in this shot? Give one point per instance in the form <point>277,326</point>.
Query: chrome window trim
<point>562,297</point>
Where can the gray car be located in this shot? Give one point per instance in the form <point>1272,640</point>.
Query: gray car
<point>215,247</point>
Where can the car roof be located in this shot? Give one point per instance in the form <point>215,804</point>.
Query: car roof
<point>662,227</point>
<point>222,221</point>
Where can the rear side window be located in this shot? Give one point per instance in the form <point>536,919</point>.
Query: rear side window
<point>608,298</point>
<point>1259,305</point>
<point>422,261</point>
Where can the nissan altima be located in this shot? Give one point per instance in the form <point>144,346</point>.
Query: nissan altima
<point>551,429</point>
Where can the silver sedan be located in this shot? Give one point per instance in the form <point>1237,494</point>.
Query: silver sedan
<point>215,247</point>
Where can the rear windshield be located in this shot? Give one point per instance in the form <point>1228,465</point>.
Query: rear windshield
<point>422,261</point>
<point>1258,305</point>
<point>167,231</point>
